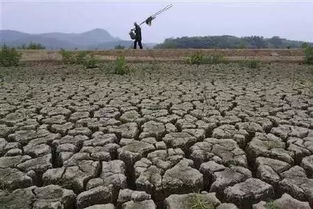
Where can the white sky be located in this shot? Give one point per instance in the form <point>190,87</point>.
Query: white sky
<point>290,19</point>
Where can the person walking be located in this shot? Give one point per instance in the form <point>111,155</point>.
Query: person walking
<point>138,36</point>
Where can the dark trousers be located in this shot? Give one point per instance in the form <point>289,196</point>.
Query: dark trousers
<point>139,43</point>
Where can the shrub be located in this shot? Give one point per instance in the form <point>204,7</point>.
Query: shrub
<point>305,45</point>
<point>80,58</point>
<point>119,47</point>
<point>215,59</point>
<point>253,64</point>
<point>67,57</point>
<point>9,56</point>
<point>271,205</point>
<point>198,58</point>
<point>198,203</point>
<point>308,52</point>
<point>31,46</point>
<point>90,61</point>
<point>35,46</point>
<point>1,79</point>
<point>120,66</point>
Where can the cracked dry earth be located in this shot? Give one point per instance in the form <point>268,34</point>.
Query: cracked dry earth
<point>167,136</point>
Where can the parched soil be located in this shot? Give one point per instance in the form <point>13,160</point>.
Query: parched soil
<point>165,135</point>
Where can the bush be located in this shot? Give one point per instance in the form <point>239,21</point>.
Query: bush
<point>90,61</point>
<point>67,57</point>
<point>31,46</point>
<point>119,47</point>
<point>308,52</point>
<point>35,46</point>
<point>120,66</point>
<point>271,205</point>
<point>198,58</point>
<point>305,45</point>
<point>215,59</point>
<point>9,57</point>
<point>198,203</point>
<point>80,58</point>
<point>253,64</point>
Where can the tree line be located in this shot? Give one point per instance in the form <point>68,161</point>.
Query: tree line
<point>229,42</point>
<point>31,46</point>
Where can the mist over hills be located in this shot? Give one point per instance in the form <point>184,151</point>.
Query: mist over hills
<point>94,39</point>
<point>102,39</point>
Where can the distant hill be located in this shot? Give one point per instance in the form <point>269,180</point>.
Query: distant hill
<point>102,39</point>
<point>94,39</point>
<point>229,42</point>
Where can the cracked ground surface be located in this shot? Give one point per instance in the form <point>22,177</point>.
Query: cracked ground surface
<point>165,136</point>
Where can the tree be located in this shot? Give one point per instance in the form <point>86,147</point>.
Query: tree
<point>276,41</point>
<point>119,47</point>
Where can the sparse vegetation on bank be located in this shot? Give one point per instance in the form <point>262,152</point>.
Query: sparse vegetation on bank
<point>308,52</point>
<point>119,47</point>
<point>252,64</point>
<point>9,56</point>
<point>79,58</point>
<point>32,46</point>
<point>120,66</point>
<point>198,58</point>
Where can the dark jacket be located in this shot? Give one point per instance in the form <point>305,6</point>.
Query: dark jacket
<point>138,32</point>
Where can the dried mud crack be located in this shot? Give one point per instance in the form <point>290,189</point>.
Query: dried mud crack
<point>223,136</point>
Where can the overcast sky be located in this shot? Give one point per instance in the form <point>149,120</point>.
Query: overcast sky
<point>285,18</point>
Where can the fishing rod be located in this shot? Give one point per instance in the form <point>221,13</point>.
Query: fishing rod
<point>148,21</point>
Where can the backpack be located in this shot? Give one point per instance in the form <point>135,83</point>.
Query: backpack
<point>132,34</point>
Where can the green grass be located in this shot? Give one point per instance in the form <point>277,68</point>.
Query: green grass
<point>90,61</point>
<point>198,203</point>
<point>9,56</point>
<point>308,52</point>
<point>120,66</point>
<point>198,58</point>
<point>271,205</point>
<point>79,58</point>
<point>310,83</point>
<point>67,57</point>
<point>252,64</point>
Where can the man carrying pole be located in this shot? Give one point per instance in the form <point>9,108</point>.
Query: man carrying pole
<point>138,37</point>
<point>135,33</point>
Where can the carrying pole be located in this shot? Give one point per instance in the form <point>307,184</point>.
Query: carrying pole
<point>163,10</point>
<point>149,19</point>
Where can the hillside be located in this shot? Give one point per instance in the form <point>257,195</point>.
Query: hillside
<point>102,39</point>
<point>94,39</point>
<point>229,42</point>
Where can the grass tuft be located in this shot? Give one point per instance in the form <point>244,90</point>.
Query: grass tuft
<point>198,203</point>
<point>308,52</point>
<point>120,66</point>
<point>9,56</point>
<point>80,58</point>
<point>90,61</point>
<point>252,64</point>
<point>271,205</point>
<point>198,58</point>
